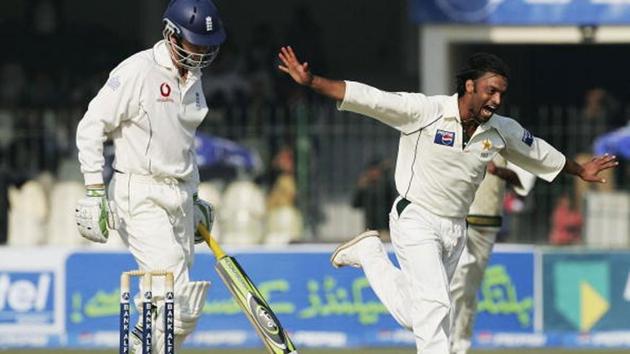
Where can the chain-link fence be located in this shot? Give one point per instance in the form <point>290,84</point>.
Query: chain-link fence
<point>341,163</point>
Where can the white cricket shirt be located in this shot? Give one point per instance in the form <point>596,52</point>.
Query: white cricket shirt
<point>149,114</point>
<point>433,168</point>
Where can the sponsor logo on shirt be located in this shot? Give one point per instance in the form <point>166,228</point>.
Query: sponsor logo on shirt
<point>443,137</point>
<point>527,138</point>
<point>165,92</point>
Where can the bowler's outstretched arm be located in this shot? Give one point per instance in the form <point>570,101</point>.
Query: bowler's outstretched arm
<point>301,74</point>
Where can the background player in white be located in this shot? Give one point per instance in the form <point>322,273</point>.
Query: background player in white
<point>150,107</point>
<point>483,225</point>
<point>445,145</point>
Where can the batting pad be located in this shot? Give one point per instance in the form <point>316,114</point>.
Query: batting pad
<point>188,307</point>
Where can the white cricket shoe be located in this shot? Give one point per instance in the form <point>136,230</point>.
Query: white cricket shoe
<point>347,253</point>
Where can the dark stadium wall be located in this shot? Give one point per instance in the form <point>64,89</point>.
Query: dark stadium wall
<point>364,40</point>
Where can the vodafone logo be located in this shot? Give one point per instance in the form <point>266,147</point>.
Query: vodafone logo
<point>165,92</point>
<point>165,89</point>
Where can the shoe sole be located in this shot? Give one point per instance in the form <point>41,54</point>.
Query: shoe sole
<point>354,241</point>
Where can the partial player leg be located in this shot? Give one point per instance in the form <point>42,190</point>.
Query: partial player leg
<point>157,226</point>
<point>466,283</point>
<point>367,251</point>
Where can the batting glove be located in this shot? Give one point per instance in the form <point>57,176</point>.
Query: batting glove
<point>95,215</point>
<point>204,214</point>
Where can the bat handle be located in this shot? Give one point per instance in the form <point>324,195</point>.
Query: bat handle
<point>214,246</point>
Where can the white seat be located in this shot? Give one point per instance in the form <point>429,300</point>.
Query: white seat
<point>62,228</point>
<point>284,225</point>
<point>340,220</point>
<point>608,219</point>
<point>242,212</point>
<point>28,211</point>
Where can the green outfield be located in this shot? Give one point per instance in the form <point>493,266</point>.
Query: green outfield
<point>335,351</point>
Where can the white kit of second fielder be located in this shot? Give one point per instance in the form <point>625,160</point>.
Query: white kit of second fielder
<point>484,223</point>
<point>150,107</point>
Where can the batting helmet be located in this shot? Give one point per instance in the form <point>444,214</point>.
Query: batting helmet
<point>197,22</point>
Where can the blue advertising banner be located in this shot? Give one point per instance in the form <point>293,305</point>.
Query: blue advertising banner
<point>27,298</point>
<point>587,297</point>
<point>506,309</point>
<point>506,297</point>
<point>320,305</point>
<point>521,12</point>
<point>31,297</point>
<point>92,297</point>
<point>63,298</point>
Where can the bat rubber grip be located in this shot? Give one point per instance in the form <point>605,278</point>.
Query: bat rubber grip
<point>214,246</point>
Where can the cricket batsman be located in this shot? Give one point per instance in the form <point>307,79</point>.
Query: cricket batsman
<point>151,106</point>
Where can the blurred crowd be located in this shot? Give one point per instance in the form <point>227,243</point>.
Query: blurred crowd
<point>55,69</point>
<point>600,115</point>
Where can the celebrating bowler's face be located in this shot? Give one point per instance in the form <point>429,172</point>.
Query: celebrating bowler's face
<point>486,95</point>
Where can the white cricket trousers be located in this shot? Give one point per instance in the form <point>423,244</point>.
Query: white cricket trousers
<point>466,282</point>
<point>156,224</point>
<point>417,295</point>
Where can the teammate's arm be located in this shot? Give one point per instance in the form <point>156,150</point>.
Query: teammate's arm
<point>505,174</point>
<point>527,179</point>
<point>301,73</point>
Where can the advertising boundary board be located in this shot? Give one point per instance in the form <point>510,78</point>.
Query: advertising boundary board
<point>319,305</point>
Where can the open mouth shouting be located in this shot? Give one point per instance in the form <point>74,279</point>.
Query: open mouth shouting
<point>487,111</point>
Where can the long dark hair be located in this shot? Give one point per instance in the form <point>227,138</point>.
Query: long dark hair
<point>477,65</point>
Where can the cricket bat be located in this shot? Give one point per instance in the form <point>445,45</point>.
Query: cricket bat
<point>249,299</point>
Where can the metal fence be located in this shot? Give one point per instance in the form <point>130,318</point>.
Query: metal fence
<point>331,150</point>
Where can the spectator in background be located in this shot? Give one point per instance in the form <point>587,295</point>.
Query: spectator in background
<point>282,186</point>
<point>374,195</point>
<point>284,220</point>
<point>566,223</point>
<point>599,110</point>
